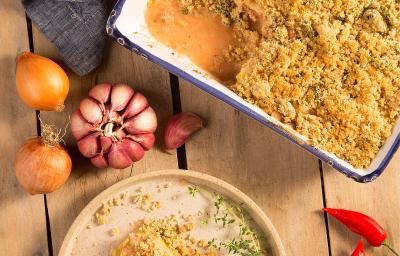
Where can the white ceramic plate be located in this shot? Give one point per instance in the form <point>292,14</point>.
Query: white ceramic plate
<point>175,199</point>
<point>127,26</point>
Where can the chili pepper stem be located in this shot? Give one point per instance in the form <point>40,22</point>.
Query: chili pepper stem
<point>390,248</point>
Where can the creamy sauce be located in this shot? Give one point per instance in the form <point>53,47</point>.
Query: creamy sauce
<point>201,36</point>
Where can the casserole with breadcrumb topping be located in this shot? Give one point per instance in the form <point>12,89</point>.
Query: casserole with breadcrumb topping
<point>328,69</point>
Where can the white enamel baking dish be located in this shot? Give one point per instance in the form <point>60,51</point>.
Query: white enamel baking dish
<point>127,26</point>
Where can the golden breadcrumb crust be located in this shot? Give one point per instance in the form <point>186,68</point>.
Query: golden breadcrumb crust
<point>329,69</point>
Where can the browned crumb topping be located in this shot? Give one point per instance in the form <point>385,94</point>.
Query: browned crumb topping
<point>329,69</point>
<point>163,237</point>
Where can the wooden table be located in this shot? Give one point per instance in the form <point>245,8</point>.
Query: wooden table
<point>288,183</point>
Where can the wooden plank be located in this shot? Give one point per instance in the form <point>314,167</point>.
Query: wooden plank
<point>21,214</point>
<point>380,199</point>
<point>120,65</point>
<point>280,177</point>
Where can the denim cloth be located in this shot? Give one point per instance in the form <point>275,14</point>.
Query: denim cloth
<point>75,27</point>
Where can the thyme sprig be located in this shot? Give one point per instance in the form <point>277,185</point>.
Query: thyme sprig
<point>247,242</point>
<point>193,190</point>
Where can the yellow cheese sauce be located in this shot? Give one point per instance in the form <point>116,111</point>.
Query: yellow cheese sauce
<point>201,36</point>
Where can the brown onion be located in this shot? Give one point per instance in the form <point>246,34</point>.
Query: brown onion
<point>41,83</point>
<point>41,167</point>
<point>114,125</point>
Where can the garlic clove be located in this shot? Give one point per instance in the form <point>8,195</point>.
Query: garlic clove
<point>105,143</point>
<point>180,127</point>
<point>145,122</point>
<point>101,92</point>
<point>146,140</point>
<point>89,146</point>
<point>120,96</point>
<point>79,126</point>
<point>136,105</point>
<point>133,149</point>
<point>99,161</point>
<point>91,110</point>
<point>118,158</point>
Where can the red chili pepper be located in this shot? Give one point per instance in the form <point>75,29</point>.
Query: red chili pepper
<point>359,250</point>
<point>363,225</point>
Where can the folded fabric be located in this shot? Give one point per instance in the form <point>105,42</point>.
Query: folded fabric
<point>76,27</point>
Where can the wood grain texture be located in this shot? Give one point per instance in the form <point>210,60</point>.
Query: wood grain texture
<point>119,66</point>
<point>21,215</point>
<point>379,199</point>
<point>280,177</point>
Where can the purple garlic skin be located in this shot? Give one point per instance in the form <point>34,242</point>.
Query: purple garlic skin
<point>114,126</point>
<point>179,128</point>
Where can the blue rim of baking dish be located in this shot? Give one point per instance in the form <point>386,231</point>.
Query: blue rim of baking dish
<point>113,31</point>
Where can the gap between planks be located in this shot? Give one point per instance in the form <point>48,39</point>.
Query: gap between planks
<point>177,108</point>
<point>328,238</point>
<point>39,132</point>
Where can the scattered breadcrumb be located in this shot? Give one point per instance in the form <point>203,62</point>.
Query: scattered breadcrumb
<point>145,202</point>
<point>124,195</point>
<point>102,215</point>
<point>114,231</point>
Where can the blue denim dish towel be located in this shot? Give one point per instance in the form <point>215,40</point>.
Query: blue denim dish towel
<point>75,27</point>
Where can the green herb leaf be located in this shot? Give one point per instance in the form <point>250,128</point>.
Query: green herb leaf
<point>193,190</point>
<point>246,243</point>
<point>204,221</point>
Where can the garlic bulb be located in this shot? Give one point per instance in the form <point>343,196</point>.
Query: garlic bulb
<point>114,125</point>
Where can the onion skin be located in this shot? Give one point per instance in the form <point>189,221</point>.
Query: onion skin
<point>41,168</point>
<point>41,83</point>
